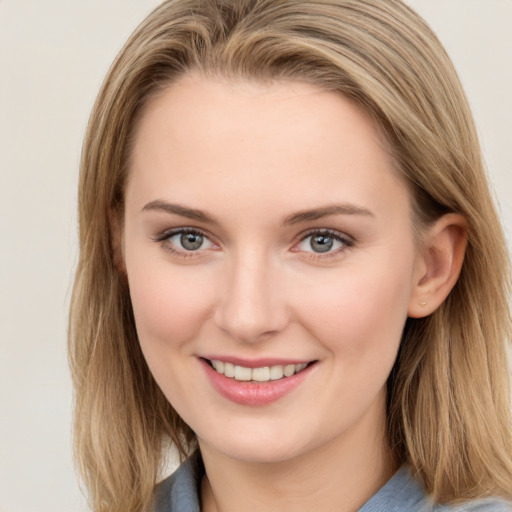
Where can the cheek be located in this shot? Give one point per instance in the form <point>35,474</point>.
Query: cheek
<point>169,304</point>
<point>361,312</point>
<point>170,307</point>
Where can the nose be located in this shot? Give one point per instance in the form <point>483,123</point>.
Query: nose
<point>253,306</point>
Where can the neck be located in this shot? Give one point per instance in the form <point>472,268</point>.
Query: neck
<point>340,476</point>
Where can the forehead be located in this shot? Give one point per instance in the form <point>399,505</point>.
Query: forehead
<point>220,105</point>
<point>200,137</point>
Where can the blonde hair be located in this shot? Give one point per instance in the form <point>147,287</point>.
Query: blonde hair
<point>448,394</point>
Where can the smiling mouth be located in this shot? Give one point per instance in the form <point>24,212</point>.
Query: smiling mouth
<point>262,374</point>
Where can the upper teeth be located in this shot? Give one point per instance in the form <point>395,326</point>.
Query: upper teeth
<point>262,374</point>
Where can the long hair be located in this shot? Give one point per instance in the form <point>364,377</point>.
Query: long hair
<point>449,393</point>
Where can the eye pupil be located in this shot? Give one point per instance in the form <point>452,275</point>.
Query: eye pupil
<point>191,241</point>
<point>321,243</point>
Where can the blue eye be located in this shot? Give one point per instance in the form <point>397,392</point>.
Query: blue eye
<point>323,242</point>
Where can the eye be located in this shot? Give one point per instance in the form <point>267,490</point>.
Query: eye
<point>324,242</point>
<point>190,240</point>
<point>185,240</point>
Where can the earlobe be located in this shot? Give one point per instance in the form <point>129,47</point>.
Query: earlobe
<point>116,240</point>
<point>439,264</point>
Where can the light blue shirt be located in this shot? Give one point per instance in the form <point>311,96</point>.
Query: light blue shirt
<point>180,493</point>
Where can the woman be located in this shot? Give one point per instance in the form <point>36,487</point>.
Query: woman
<point>290,265</point>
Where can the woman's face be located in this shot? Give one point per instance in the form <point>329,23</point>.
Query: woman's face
<point>267,234</point>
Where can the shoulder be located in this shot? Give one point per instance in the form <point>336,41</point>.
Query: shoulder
<point>402,493</point>
<point>487,505</point>
<point>180,491</point>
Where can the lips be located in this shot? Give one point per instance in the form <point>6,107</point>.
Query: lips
<point>255,383</point>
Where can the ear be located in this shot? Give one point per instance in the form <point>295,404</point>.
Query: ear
<point>115,222</point>
<point>439,264</point>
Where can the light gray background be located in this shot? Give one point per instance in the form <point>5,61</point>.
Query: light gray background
<point>53,56</point>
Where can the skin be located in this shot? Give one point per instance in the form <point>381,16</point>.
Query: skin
<point>251,156</point>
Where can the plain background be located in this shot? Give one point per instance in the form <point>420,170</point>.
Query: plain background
<point>53,56</point>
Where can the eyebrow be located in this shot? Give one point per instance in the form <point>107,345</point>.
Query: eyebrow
<point>325,211</point>
<point>294,218</point>
<point>176,209</point>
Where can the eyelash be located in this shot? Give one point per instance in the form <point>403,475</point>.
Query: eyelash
<point>164,240</point>
<point>346,241</point>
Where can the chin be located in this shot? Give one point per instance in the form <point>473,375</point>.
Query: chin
<point>257,447</point>
<point>258,454</point>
